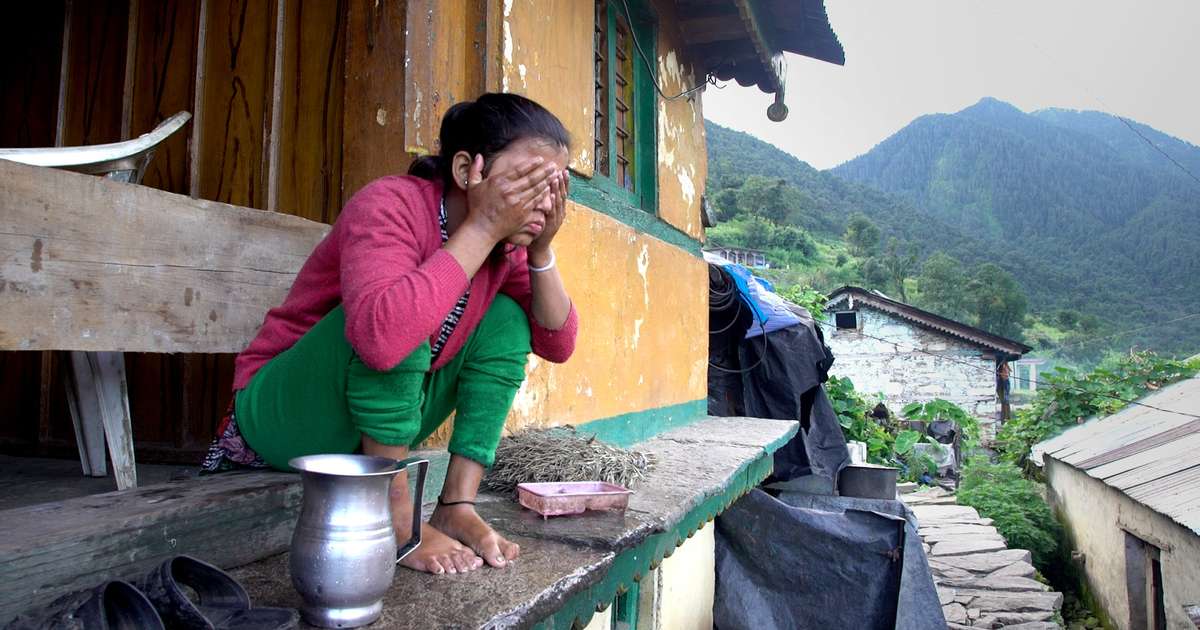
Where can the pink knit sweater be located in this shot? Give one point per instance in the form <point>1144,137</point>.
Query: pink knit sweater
<point>384,260</point>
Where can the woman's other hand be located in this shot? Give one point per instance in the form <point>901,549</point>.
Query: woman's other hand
<point>539,249</point>
<point>501,203</point>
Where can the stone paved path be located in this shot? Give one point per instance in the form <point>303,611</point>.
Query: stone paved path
<point>981,583</point>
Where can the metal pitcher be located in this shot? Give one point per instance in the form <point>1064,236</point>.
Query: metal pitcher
<point>344,551</point>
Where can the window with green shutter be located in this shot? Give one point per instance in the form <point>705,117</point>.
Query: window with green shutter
<point>625,102</point>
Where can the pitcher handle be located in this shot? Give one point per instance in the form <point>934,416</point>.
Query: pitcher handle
<point>415,539</point>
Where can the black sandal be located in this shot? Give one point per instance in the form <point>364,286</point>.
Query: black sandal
<point>219,602</point>
<point>111,606</point>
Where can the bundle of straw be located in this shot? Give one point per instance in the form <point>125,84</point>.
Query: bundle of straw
<point>560,454</point>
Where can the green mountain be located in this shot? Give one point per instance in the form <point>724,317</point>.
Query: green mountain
<point>1084,213</point>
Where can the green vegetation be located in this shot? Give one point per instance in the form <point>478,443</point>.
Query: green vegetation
<point>1015,505</point>
<point>1067,397</point>
<point>888,442</point>
<point>1065,219</point>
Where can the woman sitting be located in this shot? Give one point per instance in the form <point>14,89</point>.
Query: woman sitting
<point>425,299</point>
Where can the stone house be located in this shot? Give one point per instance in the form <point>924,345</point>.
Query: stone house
<point>295,106</point>
<point>907,354</point>
<point>1127,487</point>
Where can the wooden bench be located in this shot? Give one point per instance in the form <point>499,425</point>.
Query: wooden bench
<point>102,267</point>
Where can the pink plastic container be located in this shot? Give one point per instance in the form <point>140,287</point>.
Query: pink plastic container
<point>572,497</point>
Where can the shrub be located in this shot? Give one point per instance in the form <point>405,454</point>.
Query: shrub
<point>1015,505</point>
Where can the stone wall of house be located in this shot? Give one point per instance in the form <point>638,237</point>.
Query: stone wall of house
<point>903,372</point>
<point>1098,520</point>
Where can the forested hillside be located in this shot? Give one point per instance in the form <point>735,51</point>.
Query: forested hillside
<point>1099,231</point>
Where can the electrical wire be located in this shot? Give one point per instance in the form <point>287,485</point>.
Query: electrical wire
<point>1078,84</point>
<point>1077,390</point>
<point>709,78</point>
<point>719,300</point>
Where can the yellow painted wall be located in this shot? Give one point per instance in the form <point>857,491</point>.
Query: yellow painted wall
<point>547,56</point>
<point>643,303</point>
<point>643,322</point>
<point>678,595</point>
<point>682,158</point>
<point>643,343</point>
<point>1095,515</point>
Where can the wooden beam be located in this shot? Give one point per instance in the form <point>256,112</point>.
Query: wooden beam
<point>705,30</point>
<point>55,548</point>
<point>91,264</point>
<point>375,79</point>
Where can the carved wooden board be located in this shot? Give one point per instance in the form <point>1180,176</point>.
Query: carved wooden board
<point>90,264</point>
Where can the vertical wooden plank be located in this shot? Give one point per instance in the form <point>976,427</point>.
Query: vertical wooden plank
<point>95,63</point>
<point>131,46</point>
<point>199,116</point>
<point>31,40</point>
<point>444,67</point>
<point>310,87</point>
<point>162,83</point>
<point>60,122</point>
<point>373,127</point>
<point>30,61</point>
<point>493,44</point>
<point>232,94</point>
<point>235,67</point>
<point>163,80</point>
<point>284,16</point>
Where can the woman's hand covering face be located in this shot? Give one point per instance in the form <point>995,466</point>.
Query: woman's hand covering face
<point>503,202</point>
<point>559,187</point>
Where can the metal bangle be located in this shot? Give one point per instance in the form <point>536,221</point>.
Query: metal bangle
<point>548,266</point>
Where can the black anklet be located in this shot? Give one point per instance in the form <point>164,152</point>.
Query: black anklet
<point>450,503</point>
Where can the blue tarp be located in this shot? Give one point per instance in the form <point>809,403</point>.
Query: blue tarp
<point>771,311</point>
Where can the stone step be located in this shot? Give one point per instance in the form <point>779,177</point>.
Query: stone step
<point>983,562</point>
<point>1001,583</point>
<point>1018,569</point>
<point>928,513</point>
<point>956,529</point>
<point>963,546</point>
<point>1010,619</point>
<point>937,537</point>
<point>996,601</point>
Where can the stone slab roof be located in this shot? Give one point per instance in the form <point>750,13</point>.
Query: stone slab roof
<point>851,296</point>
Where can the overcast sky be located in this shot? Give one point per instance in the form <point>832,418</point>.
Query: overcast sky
<point>913,57</point>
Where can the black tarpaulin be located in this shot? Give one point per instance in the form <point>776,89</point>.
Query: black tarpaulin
<point>820,562</point>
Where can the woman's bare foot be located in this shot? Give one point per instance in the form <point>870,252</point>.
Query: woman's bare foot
<point>462,523</point>
<point>439,553</point>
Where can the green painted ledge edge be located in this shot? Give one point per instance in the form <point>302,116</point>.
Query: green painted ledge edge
<point>630,428</point>
<point>584,192</point>
<point>623,430</point>
<point>629,567</point>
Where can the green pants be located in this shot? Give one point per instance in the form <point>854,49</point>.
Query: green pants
<point>319,397</point>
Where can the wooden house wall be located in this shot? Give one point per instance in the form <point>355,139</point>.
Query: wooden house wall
<point>296,104</point>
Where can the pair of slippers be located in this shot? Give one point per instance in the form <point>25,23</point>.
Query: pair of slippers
<point>182,592</point>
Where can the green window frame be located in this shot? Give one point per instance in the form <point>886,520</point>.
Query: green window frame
<point>625,164</point>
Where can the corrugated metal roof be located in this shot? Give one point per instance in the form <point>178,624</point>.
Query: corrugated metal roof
<point>1152,456</point>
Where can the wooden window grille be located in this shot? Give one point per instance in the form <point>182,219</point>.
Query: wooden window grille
<point>601,61</point>
<point>624,104</point>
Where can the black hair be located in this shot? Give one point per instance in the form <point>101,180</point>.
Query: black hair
<point>487,126</point>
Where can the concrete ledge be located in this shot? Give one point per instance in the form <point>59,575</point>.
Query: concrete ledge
<point>568,565</point>
<point>571,566</point>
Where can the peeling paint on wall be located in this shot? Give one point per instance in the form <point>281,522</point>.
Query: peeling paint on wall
<point>641,302</point>
<point>682,161</point>
<point>553,65</point>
